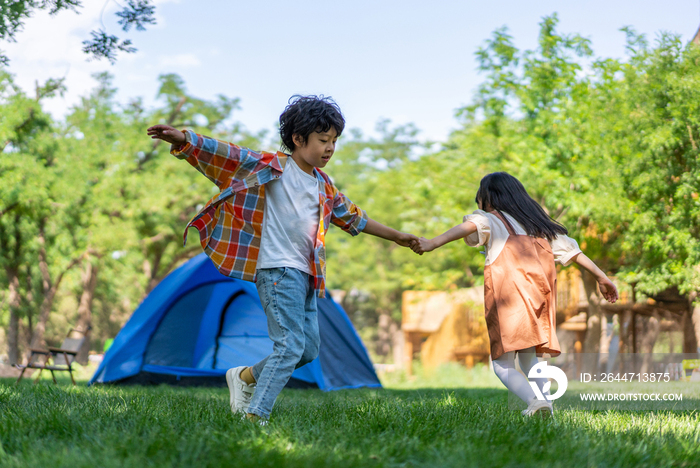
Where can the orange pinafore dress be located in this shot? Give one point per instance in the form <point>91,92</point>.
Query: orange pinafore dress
<point>520,296</point>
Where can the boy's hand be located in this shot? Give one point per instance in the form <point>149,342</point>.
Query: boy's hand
<point>422,245</point>
<point>405,239</point>
<point>167,133</point>
<point>608,289</point>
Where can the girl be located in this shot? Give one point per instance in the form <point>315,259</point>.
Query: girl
<point>522,244</point>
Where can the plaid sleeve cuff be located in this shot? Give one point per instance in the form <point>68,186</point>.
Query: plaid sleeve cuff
<point>183,151</point>
<point>359,223</point>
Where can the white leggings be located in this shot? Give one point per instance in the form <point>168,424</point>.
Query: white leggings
<point>505,370</point>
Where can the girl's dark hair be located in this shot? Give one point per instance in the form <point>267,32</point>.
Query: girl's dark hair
<point>307,114</point>
<point>503,192</point>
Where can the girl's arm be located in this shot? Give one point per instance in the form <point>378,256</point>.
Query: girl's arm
<point>458,232</point>
<point>607,288</point>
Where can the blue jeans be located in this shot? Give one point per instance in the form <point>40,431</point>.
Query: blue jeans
<point>289,300</point>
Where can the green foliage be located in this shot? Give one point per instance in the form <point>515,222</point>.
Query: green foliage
<point>15,12</point>
<point>364,169</point>
<point>662,179</point>
<point>608,147</point>
<point>101,191</point>
<point>136,13</point>
<point>27,165</point>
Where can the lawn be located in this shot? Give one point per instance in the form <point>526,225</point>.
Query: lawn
<point>431,420</point>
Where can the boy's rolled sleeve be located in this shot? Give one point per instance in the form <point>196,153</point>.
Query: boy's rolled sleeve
<point>184,151</point>
<point>217,160</point>
<point>348,216</point>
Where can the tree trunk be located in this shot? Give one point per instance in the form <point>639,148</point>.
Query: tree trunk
<point>50,288</point>
<point>695,320</point>
<point>14,299</point>
<point>691,326</point>
<point>26,326</point>
<point>49,292</point>
<point>651,333</point>
<point>40,329</point>
<point>596,325</point>
<point>596,322</point>
<point>89,280</point>
<point>591,344</point>
<point>385,301</point>
<point>149,273</point>
<point>13,329</point>
<point>694,325</point>
<point>398,345</point>
<point>626,332</point>
<point>383,347</point>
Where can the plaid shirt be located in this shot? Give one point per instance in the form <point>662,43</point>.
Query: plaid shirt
<point>230,225</point>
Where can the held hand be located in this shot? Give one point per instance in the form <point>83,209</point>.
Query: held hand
<point>608,289</point>
<point>405,239</point>
<point>422,245</point>
<point>166,133</point>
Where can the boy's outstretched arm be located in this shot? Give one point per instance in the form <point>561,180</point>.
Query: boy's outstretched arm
<point>607,288</point>
<point>385,232</point>
<point>218,160</point>
<point>458,232</point>
<point>166,133</point>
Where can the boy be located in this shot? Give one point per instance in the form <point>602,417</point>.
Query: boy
<point>268,225</point>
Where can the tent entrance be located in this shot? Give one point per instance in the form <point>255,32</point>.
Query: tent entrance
<point>242,338</point>
<point>175,338</point>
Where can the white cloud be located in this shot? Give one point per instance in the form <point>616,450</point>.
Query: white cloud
<point>179,60</point>
<point>51,47</point>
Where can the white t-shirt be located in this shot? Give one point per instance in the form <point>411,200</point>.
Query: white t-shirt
<point>493,234</point>
<point>291,220</point>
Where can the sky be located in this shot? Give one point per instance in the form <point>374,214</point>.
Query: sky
<point>407,61</point>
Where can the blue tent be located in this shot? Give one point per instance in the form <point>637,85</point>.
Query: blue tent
<point>197,323</point>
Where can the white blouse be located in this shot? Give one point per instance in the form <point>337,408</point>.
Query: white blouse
<point>492,234</point>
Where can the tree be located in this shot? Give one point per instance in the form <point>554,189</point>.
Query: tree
<point>610,151</point>
<point>27,239</point>
<point>136,13</point>
<point>94,192</point>
<point>130,212</point>
<point>363,169</point>
<point>662,179</point>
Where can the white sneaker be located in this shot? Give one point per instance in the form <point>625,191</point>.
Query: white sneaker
<point>241,392</point>
<point>255,419</point>
<point>542,408</point>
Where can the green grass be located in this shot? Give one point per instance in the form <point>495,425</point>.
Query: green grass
<point>407,425</point>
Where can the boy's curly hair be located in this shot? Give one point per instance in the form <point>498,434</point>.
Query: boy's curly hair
<point>307,114</point>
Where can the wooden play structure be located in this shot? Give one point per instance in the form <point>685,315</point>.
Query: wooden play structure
<point>442,326</point>
<point>637,323</point>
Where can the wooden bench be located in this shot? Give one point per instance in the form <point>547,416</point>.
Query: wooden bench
<point>56,359</point>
